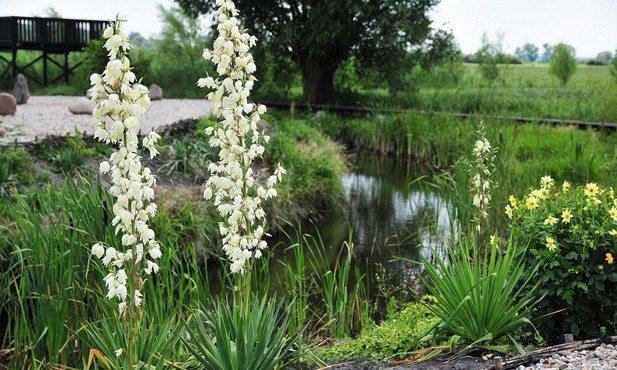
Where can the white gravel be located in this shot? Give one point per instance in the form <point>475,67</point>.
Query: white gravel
<point>49,115</point>
<point>602,358</point>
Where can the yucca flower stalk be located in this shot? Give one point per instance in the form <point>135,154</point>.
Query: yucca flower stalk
<point>232,184</point>
<point>482,181</point>
<point>120,102</point>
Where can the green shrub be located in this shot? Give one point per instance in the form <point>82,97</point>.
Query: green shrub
<point>477,298</point>
<point>571,234</point>
<point>402,333</point>
<point>243,334</point>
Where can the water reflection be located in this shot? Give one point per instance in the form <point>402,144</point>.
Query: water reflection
<point>391,216</point>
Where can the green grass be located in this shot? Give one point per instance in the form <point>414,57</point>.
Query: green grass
<point>529,91</point>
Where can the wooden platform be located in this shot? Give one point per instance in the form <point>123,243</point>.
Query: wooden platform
<point>50,36</point>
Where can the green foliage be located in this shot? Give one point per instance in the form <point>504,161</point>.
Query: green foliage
<point>190,157</point>
<point>403,332</point>
<point>312,161</point>
<point>155,348</point>
<point>177,62</point>
<point>15,165</point>
<point>319,36</point>
<point>242,334</point>
<point>489,56</point>
<point>613,68</point>
<point>571,234</point>
<point>527,53</point>
<point>563,63</point>
<point>476,295</point>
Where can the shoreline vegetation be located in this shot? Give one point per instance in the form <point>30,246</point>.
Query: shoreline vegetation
<point>533,208</point>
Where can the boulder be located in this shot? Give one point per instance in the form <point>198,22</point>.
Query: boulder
<point>81,106</point>
<point>8,104</point>
<point>21,91</point>
<point>156,92</point>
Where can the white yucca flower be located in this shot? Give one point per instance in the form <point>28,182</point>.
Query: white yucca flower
<point>120,102</point>
<point>239,140</point>
<point>482,182</point>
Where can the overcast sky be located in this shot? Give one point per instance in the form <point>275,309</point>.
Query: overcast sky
<point>589,25</point>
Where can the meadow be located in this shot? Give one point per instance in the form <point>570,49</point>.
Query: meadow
<point>533,250</point>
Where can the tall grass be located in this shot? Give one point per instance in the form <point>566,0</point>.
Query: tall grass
<point>52,289</point>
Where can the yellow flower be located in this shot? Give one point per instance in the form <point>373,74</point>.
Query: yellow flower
<point>550,244</point>
<point>613,213</point>
<point>613,232</point>
<point>550,220</point>
<point>547,181</point>
<point>539,194</point>
<point>532,202</point>
<point>591,189</point>
<point>509,211</point>
<point>566,216</point>
<point>566,186</point>
<point>512,200</point>
<point>609,258</point>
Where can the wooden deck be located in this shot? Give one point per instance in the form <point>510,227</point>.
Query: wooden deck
<point>49,36</point>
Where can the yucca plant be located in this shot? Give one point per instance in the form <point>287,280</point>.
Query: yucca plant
<point>477,297</point>
<point>249,335</point>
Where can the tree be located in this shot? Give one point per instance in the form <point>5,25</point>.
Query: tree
<point>563,62</point>
<point>489,56</point>
<point>387,35</point>
<point>182,42</point>
<point>604,57</point>
<point>548,53</point>
<point>527,53</point>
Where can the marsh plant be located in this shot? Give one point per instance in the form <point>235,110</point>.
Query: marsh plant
<point>571,234</point>
<point>120,102</point>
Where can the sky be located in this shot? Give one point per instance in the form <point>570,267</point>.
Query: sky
<point>588,25</point>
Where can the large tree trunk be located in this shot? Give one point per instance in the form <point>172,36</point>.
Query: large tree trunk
<point>317,80</point>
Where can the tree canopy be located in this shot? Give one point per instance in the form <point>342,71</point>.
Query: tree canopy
<point>563,62</point>
<point>385,35</point>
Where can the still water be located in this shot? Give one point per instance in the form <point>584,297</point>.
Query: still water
<point>393,216</point>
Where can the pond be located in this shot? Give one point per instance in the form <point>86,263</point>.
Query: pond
<point>392,216</point>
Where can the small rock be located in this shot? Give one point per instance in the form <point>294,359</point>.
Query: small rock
<point>21,91</point>
<point>2,132</point>
<point>319,115</point>
<point>81,106</point>
<point>8,104</point>
<point>156,92</point>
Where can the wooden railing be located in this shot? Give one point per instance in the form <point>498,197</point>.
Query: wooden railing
<point>48,34</point>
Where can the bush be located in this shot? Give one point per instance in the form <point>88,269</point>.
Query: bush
<point>394,338</point>
<point>563,63</point>
<point>571,234</point>
<point>476,296</point>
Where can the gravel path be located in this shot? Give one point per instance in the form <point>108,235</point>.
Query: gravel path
<point>603,357</point>
<point>49,115</point>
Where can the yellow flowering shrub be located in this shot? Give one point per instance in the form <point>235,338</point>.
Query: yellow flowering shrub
<point>572,234</point>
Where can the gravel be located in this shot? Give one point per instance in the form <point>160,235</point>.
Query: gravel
<point>603,357</point>
<point>43,116</point>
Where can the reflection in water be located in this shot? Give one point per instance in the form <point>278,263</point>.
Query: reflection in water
<point>391,216</point>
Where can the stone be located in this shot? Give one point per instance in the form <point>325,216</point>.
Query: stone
<point>320,115</point>
<point>8,104</point>
<point>20,90</point>
<point>2,132</point>
<point>156,92</point>
<point>82,106</point>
